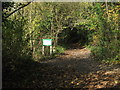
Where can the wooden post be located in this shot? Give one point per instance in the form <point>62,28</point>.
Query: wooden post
<point>43,52</point>
<point>50,50</point>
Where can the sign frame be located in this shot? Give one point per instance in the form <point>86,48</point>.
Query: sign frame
<point>43,42</point>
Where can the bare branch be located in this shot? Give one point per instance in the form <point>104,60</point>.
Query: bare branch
<point>17,10</point>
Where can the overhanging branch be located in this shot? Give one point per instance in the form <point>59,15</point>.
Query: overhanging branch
<point>17,10</point>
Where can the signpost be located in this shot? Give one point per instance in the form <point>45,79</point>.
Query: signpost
<point>46,42</point>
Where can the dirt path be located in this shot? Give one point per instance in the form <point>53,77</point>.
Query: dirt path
<point>77,59</point>
<point>82,71</point>
<point>80,61</point>
<point>73,69</point>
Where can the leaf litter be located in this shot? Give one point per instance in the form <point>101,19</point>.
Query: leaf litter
<point>74,69</point>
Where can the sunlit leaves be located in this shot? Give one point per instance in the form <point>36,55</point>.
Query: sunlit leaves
<point>24,30</point>
<point>105,23</point>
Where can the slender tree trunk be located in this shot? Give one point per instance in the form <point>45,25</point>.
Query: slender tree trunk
<point>31,43</point>
<point>52,27</point>
<point>107,8</point>
<point>56,39</point>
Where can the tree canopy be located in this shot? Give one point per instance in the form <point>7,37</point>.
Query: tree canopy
<point>87,24</point>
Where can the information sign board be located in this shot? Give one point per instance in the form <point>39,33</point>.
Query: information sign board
<point>47,42</point>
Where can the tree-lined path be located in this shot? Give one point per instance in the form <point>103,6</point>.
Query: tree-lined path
<point>85,37</point>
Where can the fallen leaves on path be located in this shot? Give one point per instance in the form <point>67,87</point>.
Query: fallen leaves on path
<point>74,69</point>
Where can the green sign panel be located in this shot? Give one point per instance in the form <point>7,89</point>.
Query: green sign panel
<point>47,42</point>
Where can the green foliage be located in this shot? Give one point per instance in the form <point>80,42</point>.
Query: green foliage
<point>105,38</point>
<point>91,24</point>
<point>59,49</point>
<point>66,23</point>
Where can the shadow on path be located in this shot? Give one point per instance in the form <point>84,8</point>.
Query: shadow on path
<point>80,61</point>
<point>73,69</point>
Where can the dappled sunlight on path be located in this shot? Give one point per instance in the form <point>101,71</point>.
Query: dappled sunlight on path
<point>85,72</point>
<point>73,69</point>
<point>79,60</point>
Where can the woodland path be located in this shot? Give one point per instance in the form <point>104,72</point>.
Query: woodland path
<point>73,69</point>
<point>80,70</point>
